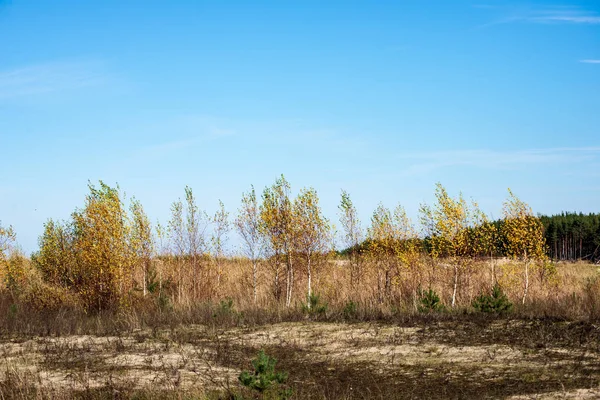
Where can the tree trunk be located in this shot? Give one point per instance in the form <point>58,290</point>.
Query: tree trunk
<point>309,280</point>
<point>160,279</point>
<point>254,279</point>
<point>493,271</point>
<point>195,277</point>
<point>277,290</point>
<point>179,266</point>
<point>526,289</point>
<point>455,285</point>
<point>388,283</point>
<point>357,270</point>
<point>290,281</point>
<point>219,272</point>
<point>379,287</point>
<point>352,271</point>
<point>289,303</point>
<point>145,278</point>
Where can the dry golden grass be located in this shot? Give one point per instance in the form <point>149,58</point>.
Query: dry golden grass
<point>547,348</point>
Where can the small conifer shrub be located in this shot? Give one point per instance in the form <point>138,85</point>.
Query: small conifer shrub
<point>429,301</point>
<point>264,379</point>
<point>496,302</point>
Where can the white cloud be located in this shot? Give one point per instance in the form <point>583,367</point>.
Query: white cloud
<point>548,15</point>
<point>590,61</point>
<point>499,160</point>
<point>568,18</point>
<point>191,131</point>
<point>49,77</point>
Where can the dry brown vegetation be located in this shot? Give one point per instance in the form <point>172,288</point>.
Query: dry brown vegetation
<point>544,349</point>
<point>110,308</point>
<point>400,356</point>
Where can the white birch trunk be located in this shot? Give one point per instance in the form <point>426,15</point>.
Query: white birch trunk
<point>309,280</point>
<point>455,285</point>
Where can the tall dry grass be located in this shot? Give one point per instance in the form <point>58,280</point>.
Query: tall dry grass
<point>564,291</point>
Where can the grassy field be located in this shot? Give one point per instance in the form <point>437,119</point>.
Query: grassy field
<point>547,349</point>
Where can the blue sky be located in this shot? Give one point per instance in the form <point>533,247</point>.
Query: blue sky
<point>382,99</point>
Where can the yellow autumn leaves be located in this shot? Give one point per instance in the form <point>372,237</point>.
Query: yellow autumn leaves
<point>96,254</point>
<point>108,255</point>
<point>293,230</point>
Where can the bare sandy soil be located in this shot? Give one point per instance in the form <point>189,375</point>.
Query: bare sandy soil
<point>498,359</point>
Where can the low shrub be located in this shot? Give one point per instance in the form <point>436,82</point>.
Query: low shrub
<point>264,379</point>
<point>314,306</point>
<point>495,302</point>
<point>350,310</point>
<point>41,296</point>
<point>429,301</point>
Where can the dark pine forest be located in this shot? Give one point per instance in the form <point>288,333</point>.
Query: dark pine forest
<point>572,236</point>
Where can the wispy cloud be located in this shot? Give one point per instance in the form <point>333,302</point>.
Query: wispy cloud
<point>590,61</point>
<point>547,15</point>
<point>192,131</point>
<point>50,77</point>
<point>565,16</point>
<point>419,163</point>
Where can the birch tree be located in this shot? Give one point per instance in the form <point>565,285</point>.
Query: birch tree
<point>141,241</point>
<point>524,236</point>
<point>219,238</point>
<point>176,229</point>
<point>56,258</point>
<point>448,223</point>
<point>407,249</point>
<point>352,236</point>
<point>7,239</point>
<point>277,225</point>
<point>247,224</point>
<point>381,248</point>
<point>486,237</point>
<point>187,230</point>
<point>104,270</point>
<point>392,243</point>
<point>312,232</point>
<point>195,227</point>
<point>162,251</point>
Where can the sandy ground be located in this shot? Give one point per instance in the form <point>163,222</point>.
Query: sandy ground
<point>195,357</point>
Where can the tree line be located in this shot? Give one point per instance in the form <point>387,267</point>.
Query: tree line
<point>568,237</point>
<point>109,255</point>
<point>572,236</point>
